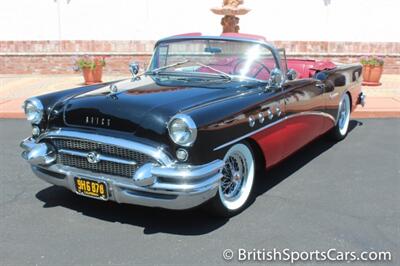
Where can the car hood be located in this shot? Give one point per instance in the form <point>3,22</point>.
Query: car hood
<point>142,103</point>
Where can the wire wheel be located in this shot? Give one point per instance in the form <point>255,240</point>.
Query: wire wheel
<point>344,115</point>
<point>236,184</point>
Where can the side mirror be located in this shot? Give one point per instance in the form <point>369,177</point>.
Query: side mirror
<point>276,78</point>
<point>291,74</point>
<point>134,68</point>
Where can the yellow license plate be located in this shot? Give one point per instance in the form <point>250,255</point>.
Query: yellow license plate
<point>91,188</point>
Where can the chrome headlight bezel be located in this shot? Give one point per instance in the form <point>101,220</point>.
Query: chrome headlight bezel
<point>182,130</point>
<point>34,110</point>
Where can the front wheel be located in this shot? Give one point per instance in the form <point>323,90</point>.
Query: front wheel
<point>341,129</point>
<point>235,189</point>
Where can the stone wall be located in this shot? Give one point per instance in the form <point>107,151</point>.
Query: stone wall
<point>54,57</point>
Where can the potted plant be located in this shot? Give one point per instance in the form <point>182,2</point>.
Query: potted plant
<point>372,70</point>
<point>91,67</point>
<point>99,63</point>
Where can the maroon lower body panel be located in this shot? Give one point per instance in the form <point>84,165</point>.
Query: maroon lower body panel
<point>285,138</point>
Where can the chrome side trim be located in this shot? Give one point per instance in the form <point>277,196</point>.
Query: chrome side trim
<point>248,135</point>
<point>101,156</point>
<point>156,153</point>
<point>273,124</point>
<point>315,113</point>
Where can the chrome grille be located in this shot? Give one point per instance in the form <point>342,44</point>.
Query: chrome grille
<point>106,167</point>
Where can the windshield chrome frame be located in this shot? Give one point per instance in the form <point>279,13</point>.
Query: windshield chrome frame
<point>270,47</point>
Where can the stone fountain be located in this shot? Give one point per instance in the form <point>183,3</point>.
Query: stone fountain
<point>231,10</point>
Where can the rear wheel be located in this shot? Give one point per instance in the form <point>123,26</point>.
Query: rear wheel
<point>341,129</point>
<point>235,190</point>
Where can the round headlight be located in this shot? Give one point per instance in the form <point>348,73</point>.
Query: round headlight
<point>182,130</point>
<point>34,110</point>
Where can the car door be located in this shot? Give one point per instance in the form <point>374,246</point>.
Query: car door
<point>304,108</point>
<point>271,138</point>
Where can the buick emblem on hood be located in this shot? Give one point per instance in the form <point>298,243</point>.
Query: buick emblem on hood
<point>97,121</point>
<point>93,157</point>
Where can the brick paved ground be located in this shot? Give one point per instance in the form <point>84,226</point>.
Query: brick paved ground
<point>14,89</point>
<point>383,101</point>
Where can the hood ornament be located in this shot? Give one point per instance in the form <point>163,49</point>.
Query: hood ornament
<point>113,88</point>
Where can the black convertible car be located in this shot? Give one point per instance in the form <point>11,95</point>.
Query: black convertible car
<point>193,127</point>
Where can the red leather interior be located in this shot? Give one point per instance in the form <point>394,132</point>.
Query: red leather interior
<point>235,65</point>
<point>307,68</point>
<point>304,68</point>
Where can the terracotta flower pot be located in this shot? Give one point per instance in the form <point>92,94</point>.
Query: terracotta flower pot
<point>88,76</point>
<point>366,72</point>
<point>376,73</point>
<point>98,73</point>
<point>372,75</point>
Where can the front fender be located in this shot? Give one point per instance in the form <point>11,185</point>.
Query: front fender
<point>221,122</point>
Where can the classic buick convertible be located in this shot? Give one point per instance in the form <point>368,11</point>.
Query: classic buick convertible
<point>192,128</point>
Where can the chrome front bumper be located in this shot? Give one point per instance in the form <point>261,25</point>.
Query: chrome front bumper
<point>172,187</point>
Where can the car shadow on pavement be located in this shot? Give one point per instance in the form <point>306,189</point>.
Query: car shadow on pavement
<point>153,220</point>
<point>188,222</point>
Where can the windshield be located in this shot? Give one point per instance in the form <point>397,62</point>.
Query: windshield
<point>223,59</point>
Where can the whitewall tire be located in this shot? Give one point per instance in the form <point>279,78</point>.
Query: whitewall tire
<point>235,189</point>
<point>341,129</point>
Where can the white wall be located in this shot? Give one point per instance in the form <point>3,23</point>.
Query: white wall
<point>342,20</point>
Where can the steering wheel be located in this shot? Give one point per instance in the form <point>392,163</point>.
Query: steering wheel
<point>262,66</point>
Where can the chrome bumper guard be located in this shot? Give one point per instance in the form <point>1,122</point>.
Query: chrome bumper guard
<point>362,99</point>
<point>173,186</point>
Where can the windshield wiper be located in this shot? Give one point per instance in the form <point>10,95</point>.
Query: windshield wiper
<point>160,70</point>
<point>223,74</point>
<point>157,70</point>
